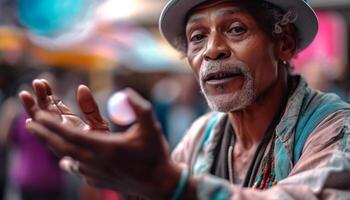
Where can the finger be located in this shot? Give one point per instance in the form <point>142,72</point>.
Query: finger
<point>109,183</point>
<point>142,108</point>
<point>99,172</point>
<point>47,87</point>
<point>115,185</point>
<point>68,164</point>
<point>72,135</point>
<point>90,109</point>
<point>29,103</point>
<point>96,184</point>
<point>57,144</point>
<point>59,106</point>
<point>41,93</point>
<point>54,99</point>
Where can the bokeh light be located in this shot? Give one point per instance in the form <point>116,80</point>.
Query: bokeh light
<point>119,109</point>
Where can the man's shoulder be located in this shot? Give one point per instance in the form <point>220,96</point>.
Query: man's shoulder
<point>307,102</point>
<point>323,111</point>
<point>201,123</point>
<point>319,102</point>
<point>317,106</point>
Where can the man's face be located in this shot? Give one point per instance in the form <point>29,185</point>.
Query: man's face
<point>232,57</point>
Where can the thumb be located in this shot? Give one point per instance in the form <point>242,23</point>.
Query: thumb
<point>142,109</point>
<point>89,108</point>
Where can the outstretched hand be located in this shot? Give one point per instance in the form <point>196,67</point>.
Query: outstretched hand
<point>44,99</point>
<point>134,162</point>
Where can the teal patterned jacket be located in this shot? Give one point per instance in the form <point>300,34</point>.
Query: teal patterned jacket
<point>312,151</point>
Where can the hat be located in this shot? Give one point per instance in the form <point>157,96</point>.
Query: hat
<point>172,20</point>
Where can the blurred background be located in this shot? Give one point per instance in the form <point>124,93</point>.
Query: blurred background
<point>109,45</point>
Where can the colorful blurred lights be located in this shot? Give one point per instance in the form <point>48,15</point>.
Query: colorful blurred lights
<point>57,23</point>
<point>112,10</point>
<point>50,17</point>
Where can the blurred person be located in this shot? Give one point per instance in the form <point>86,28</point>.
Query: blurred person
<point>7,78</point>
<point>319,77</point>
<point>270,136</point>
<point>33,169</point>
<point>323,63</point>
<point>9,110</point>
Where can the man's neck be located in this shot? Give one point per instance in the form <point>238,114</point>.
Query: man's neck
<point>251,124</point>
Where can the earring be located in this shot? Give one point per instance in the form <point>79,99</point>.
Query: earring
<point>284,62</point>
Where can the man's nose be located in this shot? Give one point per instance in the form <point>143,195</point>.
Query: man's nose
<point>217,48</point>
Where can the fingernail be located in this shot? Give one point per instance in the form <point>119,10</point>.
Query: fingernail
<point>65,164</point>
<point>21,93</point>
<point>29,120</point>
<point>84,86</point>
<point>36,81</point>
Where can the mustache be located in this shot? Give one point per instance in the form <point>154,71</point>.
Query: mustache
<point>216,67</point>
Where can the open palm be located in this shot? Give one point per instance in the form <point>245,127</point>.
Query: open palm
<point>44,99</point>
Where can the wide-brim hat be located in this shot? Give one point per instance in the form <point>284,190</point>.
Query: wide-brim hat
<point>172,19</point>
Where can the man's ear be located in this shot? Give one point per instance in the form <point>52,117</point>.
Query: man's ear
<point>286,43</point>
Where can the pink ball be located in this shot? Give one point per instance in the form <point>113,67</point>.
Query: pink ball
<point>119,109</point>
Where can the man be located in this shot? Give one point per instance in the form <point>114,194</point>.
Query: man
<point>271,137</point>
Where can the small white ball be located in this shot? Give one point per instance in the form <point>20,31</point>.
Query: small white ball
<point>119,109</point>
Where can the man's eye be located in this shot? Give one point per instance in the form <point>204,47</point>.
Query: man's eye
<point>197,37</point>
<point>237,30</point>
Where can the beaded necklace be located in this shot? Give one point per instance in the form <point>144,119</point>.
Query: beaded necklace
<point>267,176</point>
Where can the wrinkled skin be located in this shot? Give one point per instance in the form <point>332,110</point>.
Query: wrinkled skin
<point>134,162</point>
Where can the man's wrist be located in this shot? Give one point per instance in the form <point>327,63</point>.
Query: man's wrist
<point>167,180</point>
<point>190,190</point>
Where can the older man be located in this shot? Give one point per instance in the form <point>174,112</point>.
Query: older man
<point>271,136</point>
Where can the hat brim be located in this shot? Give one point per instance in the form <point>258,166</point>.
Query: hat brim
<point>172,19</point>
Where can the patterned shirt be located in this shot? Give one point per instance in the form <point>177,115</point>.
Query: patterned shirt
<point>311,151</point>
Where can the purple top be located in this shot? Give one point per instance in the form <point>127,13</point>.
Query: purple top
<point>34,166</point>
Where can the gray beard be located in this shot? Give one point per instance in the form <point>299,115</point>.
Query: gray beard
<point>229,102</point>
